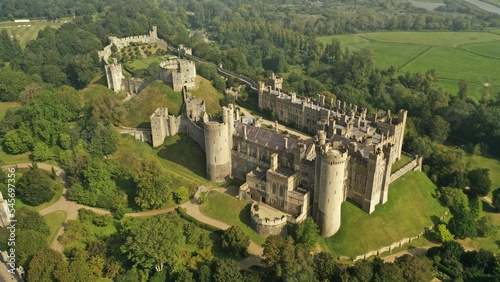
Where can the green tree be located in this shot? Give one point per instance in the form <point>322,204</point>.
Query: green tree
<point>43,265</point>
<point>444,234</point>
<point>325,266</point>
<point>204,273</point>
<point>153,185</point>
<point>35,187</point>
<point>235,240</point>
<point>362,271</point>
<point>14,144</point>
<point>104,140</point>
<point>307,233</point>
<point>462,225</point>
<point>28,244</point>
<point>485,226</point>
<point>12,83</point>
<point>74,231</point>
<point>153,242</point>
<point>439,129</point>
<point>476,207</point>
<point>181,194</point>
<point>42,152</point>
<point>227,270</point>
<point>28,219</point>
<point>454,198</point>
<point>496,199</point>
<point>479,181</point>
<point>389,272</point>
<point>415,268</point>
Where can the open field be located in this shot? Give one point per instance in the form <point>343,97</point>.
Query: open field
<point>183,150</point>
<point>231,211</point>
<point>472,56</point>
<point>493,2</point>
<point>5,106</point>
<point>55,221</point>
<point>143,63</point>
<point>25,32</point>
<point>411,207</point>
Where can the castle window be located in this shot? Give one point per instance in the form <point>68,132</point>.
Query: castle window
<point>282,190</point>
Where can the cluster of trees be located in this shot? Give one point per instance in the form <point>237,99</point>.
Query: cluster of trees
<point>455,263</point>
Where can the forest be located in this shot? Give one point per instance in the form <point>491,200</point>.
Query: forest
<point>56,122</point>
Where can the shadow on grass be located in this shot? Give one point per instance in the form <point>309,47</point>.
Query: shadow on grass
<point>487,207</point>
<point>127,184</point>
<point>245,216</point>
<point>183,150</point>
<point>144,125</point>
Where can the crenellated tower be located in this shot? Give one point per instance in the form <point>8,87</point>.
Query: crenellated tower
<point>218,145</point>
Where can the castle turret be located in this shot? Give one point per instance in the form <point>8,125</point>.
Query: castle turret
<point>159,126</point>
<point>114,75</point>
<point>330,189</point>
<point>218,151</point>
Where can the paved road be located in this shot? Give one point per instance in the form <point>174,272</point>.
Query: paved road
<point>5,275</point>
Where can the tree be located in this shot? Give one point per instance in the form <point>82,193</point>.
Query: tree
<point>389,272</point>
<point>14,144</point>
<point>74,231</point>
<point>35,187</point>
<point>479,181</point>
<point>42,152</point>
<point>462,225</point>
<point>362,271</point>
<point>227,270</point>
<point>235,240</point>
<point>204,273</point>
<point>104,140</point>
<point>496,199</point>
<point>28,219</point>
<point>454,198</point>
<point>12,83</point>
<point>444,234</point>
<point>43,265</point>
<point>181,194</point>
<point>440,129</point>
<point>153,185</point>
<point>485,226</point>
<point>153,242</point>
<point>28,244</point>
<point>307,233</point>
<point>415,268</point>
<point>476,207</point>
<point>325,266</point>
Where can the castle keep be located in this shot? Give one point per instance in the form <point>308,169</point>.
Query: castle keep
<point>178,73</point>
<point>351,156</point>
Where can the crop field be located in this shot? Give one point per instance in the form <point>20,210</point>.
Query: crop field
<point>472,56</point>
<point>25,32</point>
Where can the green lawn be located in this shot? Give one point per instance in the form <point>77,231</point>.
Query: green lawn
<point>26,31</point>
<point>13,159</point>
<point>230,210</point>
<point>55,221</point>
<point>410,208</point>
<point>492,164</point>
<point>144,63</point>
<point>391,54</point>
<point>488,49</point>
<point>204,90</point>
<point>491,243</point>
<point>444,39</point>
<point>156,95</point>
<point>95,89</point>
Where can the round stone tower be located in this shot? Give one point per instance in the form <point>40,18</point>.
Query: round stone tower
<point>218,151</point>
<point>331,190</point>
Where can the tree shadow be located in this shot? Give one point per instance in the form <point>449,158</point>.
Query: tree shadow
<point>144,125</point>
<point>487,207</point>
<point>435,219</point>
<point>497,242</point>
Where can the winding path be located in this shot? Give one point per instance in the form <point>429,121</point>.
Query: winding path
<point>71,208</point>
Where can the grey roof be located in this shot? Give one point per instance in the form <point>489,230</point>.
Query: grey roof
<point>266,138</point>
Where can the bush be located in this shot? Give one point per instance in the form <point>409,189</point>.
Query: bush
<point>234,239</point>
<point>181,194</point>
<point>35,187</point>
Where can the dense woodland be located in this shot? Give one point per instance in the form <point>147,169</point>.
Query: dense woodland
<point>254,38</point>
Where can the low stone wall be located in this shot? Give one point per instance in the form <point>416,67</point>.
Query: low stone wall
<point>414,165</point>
<point>141,134</point>
<point>195,132</point>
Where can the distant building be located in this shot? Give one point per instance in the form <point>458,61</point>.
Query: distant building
<point>5,216</point>
<point>22,21</point>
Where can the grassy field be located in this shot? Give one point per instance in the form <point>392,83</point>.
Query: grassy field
<point>399,164</point>
<point>231,211</point>
<point>25,32</point>
<point>472,56</point>
<point>493,2</point>
<point>204,90</point>
<point>144,63</point>
<point>156,95</point>
<point>5,106</point>
<point>55,221</point>
<point>492,164</point>
<point>491,243</point>
<point>411,207</point>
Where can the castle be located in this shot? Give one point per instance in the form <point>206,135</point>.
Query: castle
<point>5,215</point>
<point>351,156</point>
<point>178,73</point>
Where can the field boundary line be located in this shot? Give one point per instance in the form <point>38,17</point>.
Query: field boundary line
<point>414,58</point>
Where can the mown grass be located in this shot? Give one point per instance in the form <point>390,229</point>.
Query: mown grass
<point>411,207</point>
<point>490,163</point>
<point>8,159</point>
<point>490,243</point>
<point>204,90</point>
<point>488,49</point>
<point>436,38</point>
<point>156,95</point>
<point>391,54</point>
<point>5,106</point>
<point>144,63</point>
<point>25,32</point>
<point>230,210</point>
<point>55,221</point>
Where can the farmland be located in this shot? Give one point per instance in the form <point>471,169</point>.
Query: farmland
<point>472,56</point>
<point>25,32</point>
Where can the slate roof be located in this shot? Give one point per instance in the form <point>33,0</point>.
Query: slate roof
<point>266,138</point>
